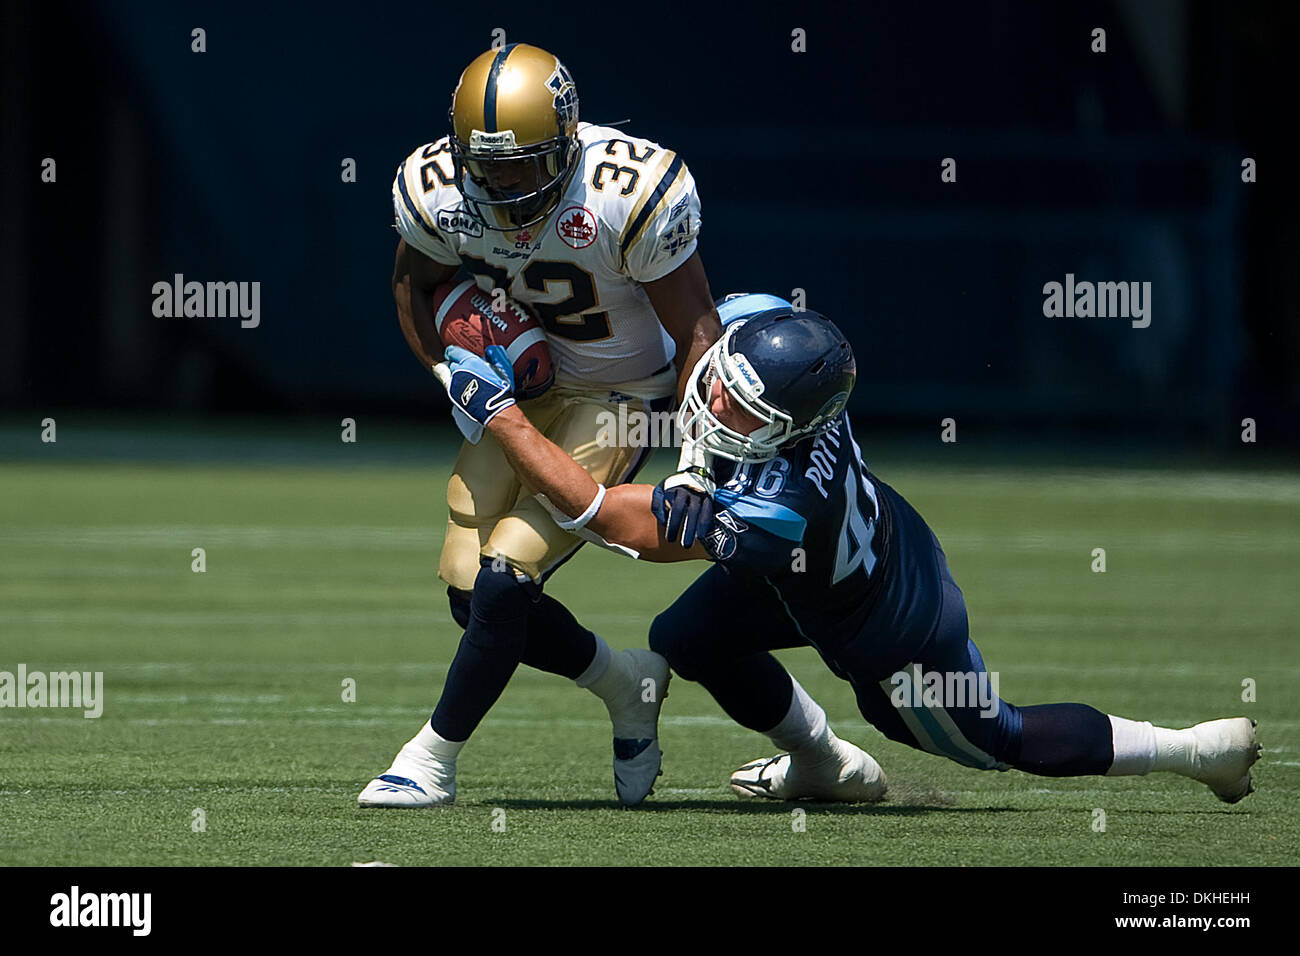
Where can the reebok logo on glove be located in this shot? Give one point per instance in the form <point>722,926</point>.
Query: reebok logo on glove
<point>480,387</point>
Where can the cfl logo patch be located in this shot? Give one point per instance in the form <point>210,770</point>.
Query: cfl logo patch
<point>470,389</point>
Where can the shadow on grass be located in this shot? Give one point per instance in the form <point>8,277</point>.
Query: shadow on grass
<point>902,800</point>
<point>777,807</point>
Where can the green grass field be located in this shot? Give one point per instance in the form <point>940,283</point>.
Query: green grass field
<point>224,689</point>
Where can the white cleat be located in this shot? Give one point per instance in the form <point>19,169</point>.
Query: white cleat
<point>850,775</point>
<point>635,715</point>
<point>1225,751</point>
<point>416,779</point>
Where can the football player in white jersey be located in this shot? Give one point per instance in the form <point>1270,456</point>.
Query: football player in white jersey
<point>595,231</point>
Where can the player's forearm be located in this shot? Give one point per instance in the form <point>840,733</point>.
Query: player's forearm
<point>707,331</point>
<point>684,305</point>
<point>541,464</point>
<point>419,332</point>
<point>413,288</point>
<point>624,516</point>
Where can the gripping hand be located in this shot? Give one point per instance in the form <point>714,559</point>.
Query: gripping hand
<point>479,388</point>
<point>683,504</point>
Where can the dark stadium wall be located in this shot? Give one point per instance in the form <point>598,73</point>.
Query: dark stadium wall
<point>818,170</point>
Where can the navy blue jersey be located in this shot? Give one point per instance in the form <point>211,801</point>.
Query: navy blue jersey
<point>850,560</point>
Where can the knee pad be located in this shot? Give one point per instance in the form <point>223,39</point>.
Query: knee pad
<point>499,595</point>
<point>459,601</point>
<point>498,615</point>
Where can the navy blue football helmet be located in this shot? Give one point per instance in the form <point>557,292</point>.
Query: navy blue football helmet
<point>791,370</point>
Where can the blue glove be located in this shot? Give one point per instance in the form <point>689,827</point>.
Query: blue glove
<point>479,388</point>
<point>683,504</point>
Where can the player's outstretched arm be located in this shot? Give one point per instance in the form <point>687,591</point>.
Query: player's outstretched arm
<point>415,276</point>
<point>623,517</point>
<point>480,388</point>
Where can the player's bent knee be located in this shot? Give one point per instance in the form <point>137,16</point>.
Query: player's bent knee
<point>499,595</point>
<point>498,611</point>
<point>670,641</point>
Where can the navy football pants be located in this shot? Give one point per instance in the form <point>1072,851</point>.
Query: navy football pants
<point>721,630</point>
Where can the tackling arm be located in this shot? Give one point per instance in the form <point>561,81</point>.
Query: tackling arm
<point>415,276</point>
<point>623,517</point>
<point>684,305</point>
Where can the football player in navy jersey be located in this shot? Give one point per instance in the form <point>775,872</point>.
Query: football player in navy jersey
<point>809,548</point>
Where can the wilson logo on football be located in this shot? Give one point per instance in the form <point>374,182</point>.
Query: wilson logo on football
<point>577,227</point>
<point>470,389</point>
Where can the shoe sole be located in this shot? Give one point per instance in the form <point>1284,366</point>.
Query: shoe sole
<point>450,801</point>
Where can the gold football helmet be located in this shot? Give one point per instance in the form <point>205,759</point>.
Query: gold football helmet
<point>514,135</point>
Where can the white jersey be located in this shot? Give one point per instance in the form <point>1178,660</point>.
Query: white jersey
<point>629,215</point>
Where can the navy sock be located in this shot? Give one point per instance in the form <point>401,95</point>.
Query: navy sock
<point>1064,740</point>
<point>557,643</point>
<point>755,690</point>
<point>491,649</point>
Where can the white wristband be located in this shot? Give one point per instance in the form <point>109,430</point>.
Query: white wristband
<point>573,524</point>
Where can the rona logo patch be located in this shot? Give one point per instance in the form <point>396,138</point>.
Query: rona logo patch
<point>462,222</point>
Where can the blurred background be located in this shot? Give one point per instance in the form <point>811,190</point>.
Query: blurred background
<point>817,170</point>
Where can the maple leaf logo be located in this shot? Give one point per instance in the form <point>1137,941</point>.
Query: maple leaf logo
<point>576,227</point>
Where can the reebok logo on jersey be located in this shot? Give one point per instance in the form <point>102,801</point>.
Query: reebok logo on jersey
<point>729,520</point>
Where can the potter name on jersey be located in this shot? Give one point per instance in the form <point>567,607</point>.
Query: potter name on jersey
<point>630,214</point>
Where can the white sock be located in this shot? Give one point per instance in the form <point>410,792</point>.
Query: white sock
<point>1140,748</point>
<point>432,743</point>
<point>803,731</point>
<point>600,678</point>
<point>1174,750</point>
<point>1134,745</point>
